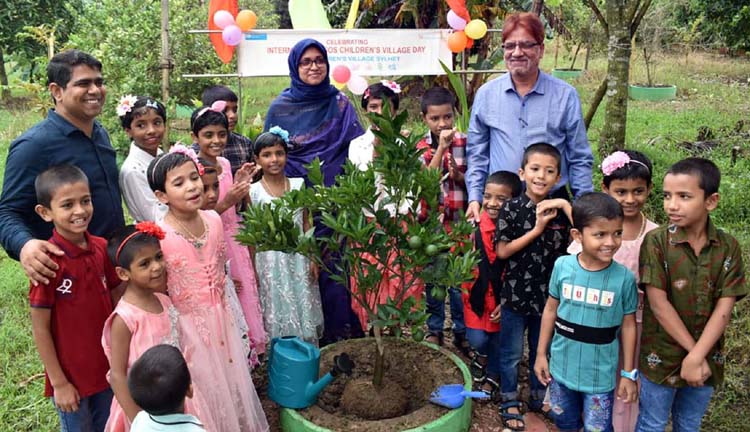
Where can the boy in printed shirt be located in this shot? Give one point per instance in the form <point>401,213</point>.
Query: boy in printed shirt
<point>68,314</point>
<point>592,299</point>
<point>445,149</point>
<point>532,232</point>
<point>693,274</point>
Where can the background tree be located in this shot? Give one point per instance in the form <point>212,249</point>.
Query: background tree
<point>620,24</point>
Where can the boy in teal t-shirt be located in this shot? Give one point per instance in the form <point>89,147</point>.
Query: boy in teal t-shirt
<point>592,300</point>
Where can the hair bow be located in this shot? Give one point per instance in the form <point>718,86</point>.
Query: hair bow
<point>617,160</point>
<point>392,85</point>
<point>180,148</point>
<point>126,105</point>
<point>218,106</point>
<point>281,133</point>
<point>149,228</point>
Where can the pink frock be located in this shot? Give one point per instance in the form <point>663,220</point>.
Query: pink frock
<point>147,330</point>
<point>196,283</point>
<point>625,415</point>
<point>241,266</point>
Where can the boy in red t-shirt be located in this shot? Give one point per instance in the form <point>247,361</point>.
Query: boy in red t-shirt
<point>68,314</point>
<point>481,297</point>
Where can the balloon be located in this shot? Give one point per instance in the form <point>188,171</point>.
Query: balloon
<point>469,43</point>
<point>338,85</point>
<point>457,41</point>
<point>341,74</point>
<point>223,19</point>
<point>357,85</point>
<point>455,21</point>
<point>232,35</point>
<point>246,20</point>
<point>476,29</point>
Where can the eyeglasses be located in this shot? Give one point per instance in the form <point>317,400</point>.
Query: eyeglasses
<point>524,45</point>
<point>308,62</point>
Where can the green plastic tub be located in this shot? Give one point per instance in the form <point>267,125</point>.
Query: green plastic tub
<point>567,74</point>
<point>653,94</point>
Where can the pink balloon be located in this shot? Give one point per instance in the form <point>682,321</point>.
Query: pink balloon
<point>232,35</point>
<point>357,85</point>
<point>341,74</point>
<point>455,21</point>
<point>223,19</point>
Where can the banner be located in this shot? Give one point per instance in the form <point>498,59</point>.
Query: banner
<point>369,52</point>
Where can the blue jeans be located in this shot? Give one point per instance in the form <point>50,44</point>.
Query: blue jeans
<point>488,344</point>
<point>512,327</point>
<point>436,311</point>
<point>92,414</point>
<point>573,410</point>
<point>687,405</point>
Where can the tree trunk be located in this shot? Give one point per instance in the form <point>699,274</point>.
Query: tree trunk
<point>165,63</point>
<point>379,368</point>
<point>618,66</point>
<point>4,77</point>
<point>598,96</point>
<point>536,7</point>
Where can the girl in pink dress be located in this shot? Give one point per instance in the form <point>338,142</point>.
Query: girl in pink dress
<point>627,178</point>
<point>210,130</point>
<point>195,254</point>
<point>143,318</point>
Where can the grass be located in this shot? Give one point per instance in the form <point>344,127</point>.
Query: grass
<point>712,91</point>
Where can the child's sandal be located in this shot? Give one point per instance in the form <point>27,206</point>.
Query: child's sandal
<point>435,338</point>
<point>508,417</point>
<point>461,344</point>
<point>477,368</point>
<point>493,392</point>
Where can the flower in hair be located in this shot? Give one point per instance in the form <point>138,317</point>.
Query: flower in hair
<point>218,106</point>
<point>614,162</point>
<point>366,95</point>
<point>150,229</point>
<point>393,85</point>
<point>180,148</point>
<point>281,133</point>
<point>126,105</point>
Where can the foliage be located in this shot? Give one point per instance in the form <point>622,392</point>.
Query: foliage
<point>18,14</point>
<point>368,234</point>
<point>726,22</point>
<point>462,119</point>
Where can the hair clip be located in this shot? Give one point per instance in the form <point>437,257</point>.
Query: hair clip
<point>180,148</point>
<point>366,95</point>
<point>125,105</point>
<point>281,133</point>
<point>150,103</point>
<point>149,228</point>
<point>392,85</point>
<point>618,160</point>
<point>218,106</point>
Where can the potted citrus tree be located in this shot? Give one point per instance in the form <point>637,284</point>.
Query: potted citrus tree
<point>651,36</point>
<point>380,237</point>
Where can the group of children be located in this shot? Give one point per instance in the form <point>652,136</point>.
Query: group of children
<point>582,312</point>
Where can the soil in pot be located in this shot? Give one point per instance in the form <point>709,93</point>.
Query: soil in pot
<point>411,368</point>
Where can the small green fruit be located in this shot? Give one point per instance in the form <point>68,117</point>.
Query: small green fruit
<point>418,335</point>
<point>415,242</point>
<point>431,250</point>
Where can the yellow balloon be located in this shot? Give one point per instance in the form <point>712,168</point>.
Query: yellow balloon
<point>476,29</point>
<point>338,85</point>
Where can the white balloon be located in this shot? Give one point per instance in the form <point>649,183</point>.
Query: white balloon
<point>357,85</point>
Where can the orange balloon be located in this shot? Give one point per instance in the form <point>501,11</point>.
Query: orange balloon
<point>457,41</point>
<point>469,43</point>
<point>246,20</point>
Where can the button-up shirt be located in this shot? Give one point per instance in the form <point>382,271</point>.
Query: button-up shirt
<point>693,285</point>
<point>55,141</point>
<point>140,199</point>
<point>452,198</point>
<point>503,123</point>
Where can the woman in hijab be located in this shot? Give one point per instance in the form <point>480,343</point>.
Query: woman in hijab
<point>321,122</point>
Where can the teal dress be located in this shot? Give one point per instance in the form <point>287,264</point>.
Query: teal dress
<point>289,296</point>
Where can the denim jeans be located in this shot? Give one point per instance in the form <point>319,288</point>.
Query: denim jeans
<point>92,414</point>
<point>512,327</point>
<point>488,344</point>
<point>687,405</point>
<point>436,311</point>
<point>573,410</point>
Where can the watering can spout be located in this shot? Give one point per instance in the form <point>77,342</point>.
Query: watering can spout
<point>341,364</point>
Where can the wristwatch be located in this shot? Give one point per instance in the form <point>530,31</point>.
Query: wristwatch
<point>632,375</point>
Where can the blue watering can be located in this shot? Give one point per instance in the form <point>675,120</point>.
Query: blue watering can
<point>293,372</point>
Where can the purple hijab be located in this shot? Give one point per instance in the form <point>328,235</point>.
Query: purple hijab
<point>320,120</point>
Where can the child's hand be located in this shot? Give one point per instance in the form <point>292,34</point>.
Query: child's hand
<point>627,391</point>
<point>446,138</point>
<point>694,370</point>
<point>453,172</point>
<point>66,397</point>
<point>544,214</point>
<point>541,369</point>
<point>238,192</point>
<point>495,315</point>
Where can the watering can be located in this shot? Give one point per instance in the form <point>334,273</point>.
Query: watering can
<point>293,372</point>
